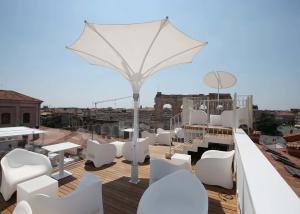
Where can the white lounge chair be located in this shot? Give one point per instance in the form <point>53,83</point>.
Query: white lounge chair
<point>142,150</point>
<point>160,168</point>
<point>151,136</point>
<point>100,154</point>
<point>22,208</point>
<point>20,165</point>
<point>87,199</point>
<point>215,168</point>
<point>177,193</point>
<point>197,117</point>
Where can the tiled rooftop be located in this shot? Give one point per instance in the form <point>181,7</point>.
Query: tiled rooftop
<point>15,96</point>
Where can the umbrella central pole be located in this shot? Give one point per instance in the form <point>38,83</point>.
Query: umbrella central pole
<point>134,166</point>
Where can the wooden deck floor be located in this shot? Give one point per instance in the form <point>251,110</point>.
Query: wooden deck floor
<point>120,196</point>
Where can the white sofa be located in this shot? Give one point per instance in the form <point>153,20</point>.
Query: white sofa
<point>22,208</point>
<point>160,168</point>
<point>177,193</point>
<point>142,150</point>
<point>100,154</point>
<point>197,117</point>
<point>20,165</point>
<point>87,199</point>
<point>163,137</point>
<point>215,168</point>
<point>226,118</point>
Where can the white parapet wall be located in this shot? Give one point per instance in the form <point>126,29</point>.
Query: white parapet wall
<point>260,188</point>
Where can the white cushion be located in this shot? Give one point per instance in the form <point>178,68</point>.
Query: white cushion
<point>215,120</point>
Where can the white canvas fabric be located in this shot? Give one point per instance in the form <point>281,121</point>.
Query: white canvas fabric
<point>219,79</point>
<point>135,50</point>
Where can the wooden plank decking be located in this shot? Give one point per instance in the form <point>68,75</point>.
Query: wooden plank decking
<point>120,196</point>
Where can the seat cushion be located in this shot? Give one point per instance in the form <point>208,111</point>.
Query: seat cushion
<point>26,172</point>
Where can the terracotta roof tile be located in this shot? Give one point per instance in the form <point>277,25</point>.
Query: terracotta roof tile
<point>13,95</point>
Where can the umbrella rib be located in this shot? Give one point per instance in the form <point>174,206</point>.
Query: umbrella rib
<point>112,47</point>
<point>93,56</point>
<point>168,58</point>
<point>162,25</point>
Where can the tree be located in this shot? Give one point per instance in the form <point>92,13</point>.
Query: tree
<point>267,124</point>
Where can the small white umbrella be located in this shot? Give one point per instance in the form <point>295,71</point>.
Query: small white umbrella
<point>219,80</point>
<point>136,51</point>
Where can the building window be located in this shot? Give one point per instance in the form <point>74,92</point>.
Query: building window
<point>5,118</point>
<point>26,118</point>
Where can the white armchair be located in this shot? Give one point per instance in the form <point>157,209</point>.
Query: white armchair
<point>164,137</point>
<point>160,168</point>
<point>215,168</point>
<point>142,150</point>
<point>177,193</point>
<point>197,117</point>
<point>227,118</point>
<point>151,136</point>
<point>160,130</point>
<point>22,208</point>
<point>87,199</point>
<point>100,154</point>
<point>20,165</point>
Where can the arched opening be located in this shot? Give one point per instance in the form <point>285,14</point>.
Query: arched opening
<point>167,115</point>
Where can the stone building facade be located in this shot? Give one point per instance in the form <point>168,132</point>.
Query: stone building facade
<point>17,109</point>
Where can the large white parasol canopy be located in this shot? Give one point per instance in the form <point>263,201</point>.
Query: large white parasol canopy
<point>219,80</point>
<point>136,51</point>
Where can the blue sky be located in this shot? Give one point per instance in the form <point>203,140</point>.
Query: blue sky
<point>256,40</point>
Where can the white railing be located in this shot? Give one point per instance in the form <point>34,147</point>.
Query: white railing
<point>260,188</point>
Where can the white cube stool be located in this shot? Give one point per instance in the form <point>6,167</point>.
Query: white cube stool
<point>40,185</point>
<point>182,157</point>
<point>119,147</point>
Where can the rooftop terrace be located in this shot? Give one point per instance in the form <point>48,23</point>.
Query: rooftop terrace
<point>120,196</point>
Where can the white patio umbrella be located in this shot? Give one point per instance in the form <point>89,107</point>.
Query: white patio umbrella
<point>219,80</point>
<point>136,51</point>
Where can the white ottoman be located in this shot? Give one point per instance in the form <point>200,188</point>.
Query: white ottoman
<point>182,157</point>
<point>40,185</point>
<point>119,147</point>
